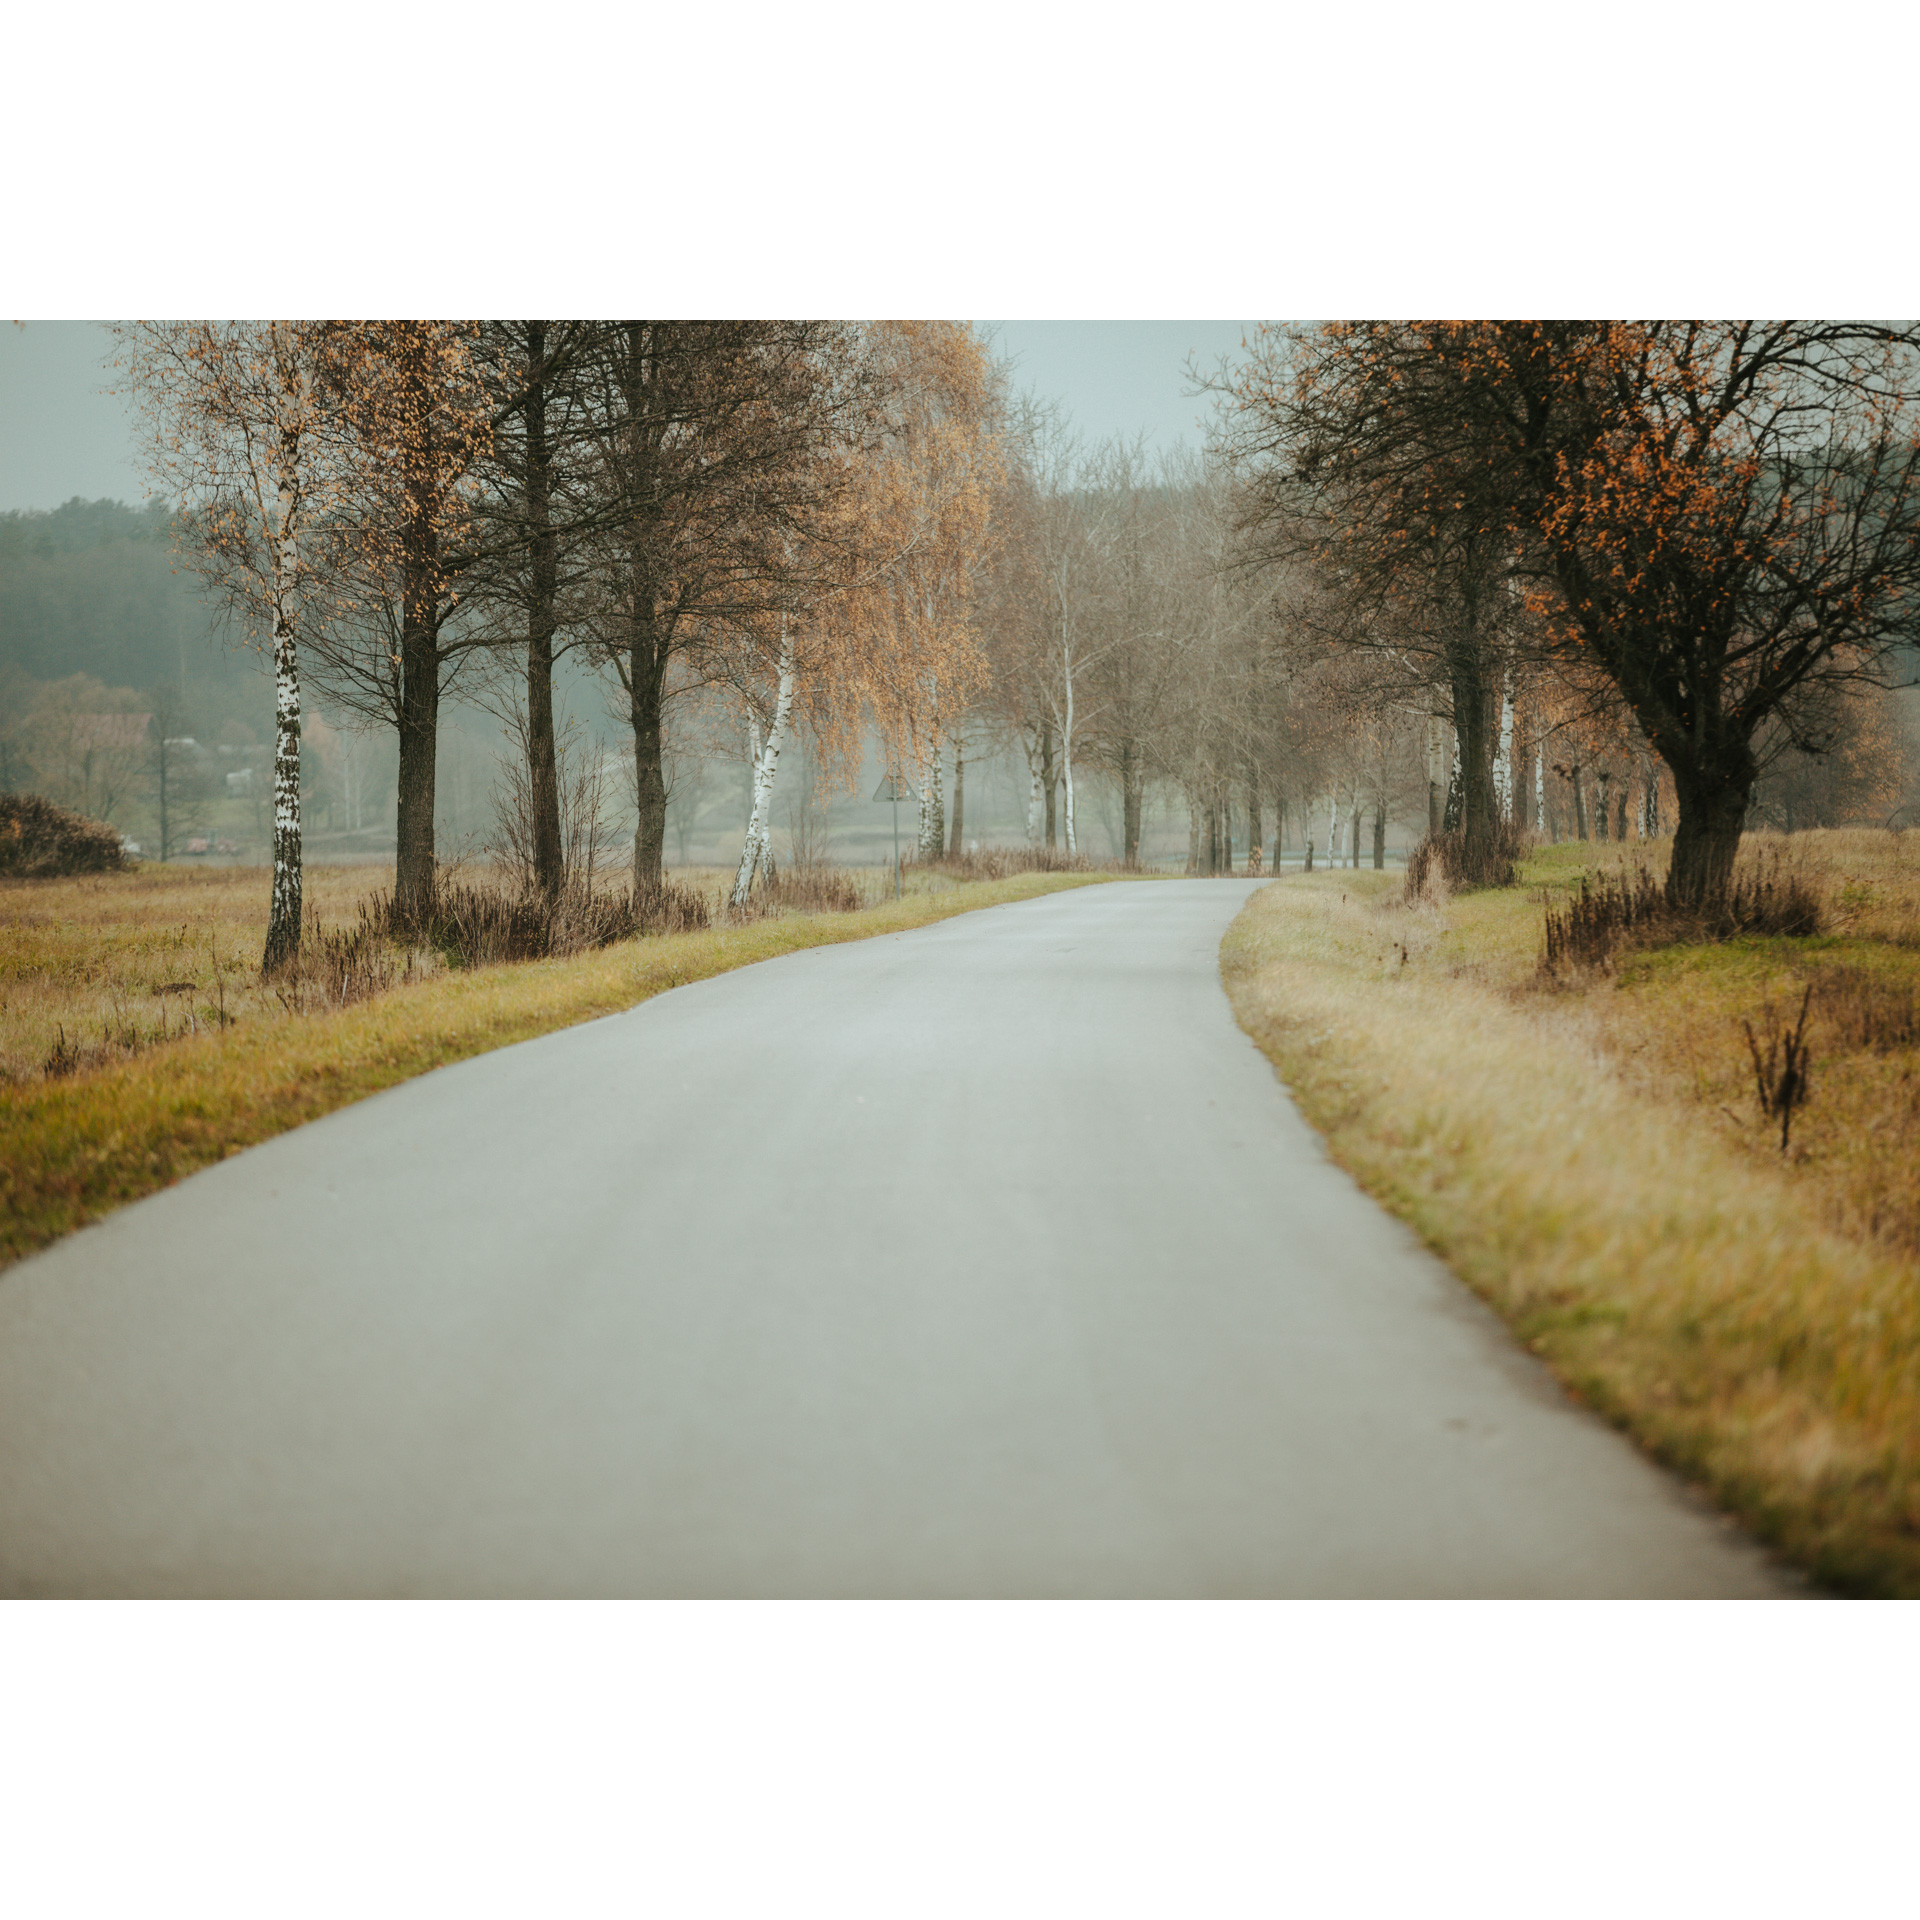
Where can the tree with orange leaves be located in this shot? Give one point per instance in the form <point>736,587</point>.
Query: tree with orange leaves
<point>911,640</point>
<point>876,619</point>
<point>416,418</point>
<point>1722,518</point>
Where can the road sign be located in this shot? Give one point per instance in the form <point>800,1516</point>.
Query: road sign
<point>896,790</point>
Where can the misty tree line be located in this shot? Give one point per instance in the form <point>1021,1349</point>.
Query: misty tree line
<point>1671,563</point>
<point>1562,578</point>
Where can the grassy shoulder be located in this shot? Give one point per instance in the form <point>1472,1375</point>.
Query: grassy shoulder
<point>1588,1154</point>
<point>72,1149</point>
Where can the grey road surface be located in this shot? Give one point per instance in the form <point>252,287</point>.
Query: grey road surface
<point>988,1259</point>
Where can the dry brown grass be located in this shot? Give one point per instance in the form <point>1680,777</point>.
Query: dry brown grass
<point>106,966</point>
<point>1588,1149</point>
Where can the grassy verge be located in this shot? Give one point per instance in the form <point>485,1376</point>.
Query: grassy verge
<point>72,1149</point>
<point>1588,1154</point>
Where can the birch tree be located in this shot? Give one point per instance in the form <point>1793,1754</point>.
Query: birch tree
<point>238,435</point>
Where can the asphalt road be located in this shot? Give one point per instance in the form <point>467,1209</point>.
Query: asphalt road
<point>988,1259</point>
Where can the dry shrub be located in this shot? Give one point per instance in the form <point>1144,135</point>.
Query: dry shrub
<point>666,908</point>
<point>1625,910</point>
<point>1462,867</point>
<point>480,926</point>
<point>809,888</point>
<point>1608,912</point>
<point>336,967</point>
<point>39,841</point>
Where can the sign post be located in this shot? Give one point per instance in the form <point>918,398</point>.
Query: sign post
<point>895,790</point>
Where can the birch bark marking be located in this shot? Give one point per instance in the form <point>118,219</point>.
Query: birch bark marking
<point>1503,754</point>
<point>753,856</point>
<point>283,915</point>
<point>1436,785</point>
<point>1539,789</point>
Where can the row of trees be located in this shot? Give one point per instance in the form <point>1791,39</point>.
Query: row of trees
<point>1572,577</point>
<point>789,512</point>
<point>1695,543</point>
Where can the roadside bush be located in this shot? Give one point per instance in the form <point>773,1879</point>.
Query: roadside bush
<point>1448,857</point>
<point>810,889</point>
<point>39,841</point>
<point>480,926</point>
<point>335,967</point>
<point>1630,910</point>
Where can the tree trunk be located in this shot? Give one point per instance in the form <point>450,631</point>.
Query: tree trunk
<point>1066,759</point>
<point>1579,805</point>
<point>1129,803</point>
<point>1539,788</point>
<point>419,726</point>
<point>954,844</point>
<point>1256,847</point>
<point>1474,705</point>
<point>1048,779</point>
<point>1333,830</point>
<point>543,777</point>
<point>646,687</point>
<point>1603,779</point>
<point>753,854</point>
<point>1713,812</point>
<point>1193,834</point>
<point>1503,753</point>
<point>1379,838</point>
<point>1436,779</point>
<point>933,808</point>
<point>283,916</point>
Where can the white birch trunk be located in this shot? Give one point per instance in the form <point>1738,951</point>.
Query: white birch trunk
<point>1436,776</point>
<point>1539,790</point>
<point>1503,759</point>
<point>1333,828</point>
<point>753,856</point>
<point>283,917</point>
<point>1066,753</point>
<point>1035,797</point>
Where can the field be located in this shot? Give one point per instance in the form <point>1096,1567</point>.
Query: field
<point>1588,1149</point>
<point>138,1043</point>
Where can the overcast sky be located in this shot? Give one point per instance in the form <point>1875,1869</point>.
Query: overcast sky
<point>62,435</point>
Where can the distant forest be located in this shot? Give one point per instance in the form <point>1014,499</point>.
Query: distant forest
<point>90,588</point>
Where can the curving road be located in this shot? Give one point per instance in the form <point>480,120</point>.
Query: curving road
<point>988,1259</point>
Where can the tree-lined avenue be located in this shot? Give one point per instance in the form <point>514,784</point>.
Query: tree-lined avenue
<point>987,1259</point>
